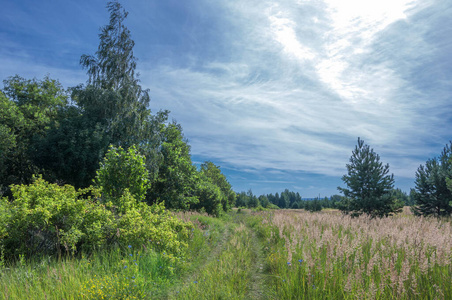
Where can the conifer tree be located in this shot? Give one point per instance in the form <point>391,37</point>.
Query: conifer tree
<point>369,185</point>
<point>432,195</point>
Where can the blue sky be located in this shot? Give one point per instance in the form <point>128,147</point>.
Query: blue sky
<point>274,92</point>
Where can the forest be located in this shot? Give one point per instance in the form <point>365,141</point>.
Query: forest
<point>100,199</point>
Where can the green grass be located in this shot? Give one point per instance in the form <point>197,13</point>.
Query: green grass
<point>118,274</point>
<point>257,255</point>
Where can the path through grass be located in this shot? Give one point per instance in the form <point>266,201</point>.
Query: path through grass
<point>232,270</point>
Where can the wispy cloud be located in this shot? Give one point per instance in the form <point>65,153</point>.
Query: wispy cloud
<point>307,111</point>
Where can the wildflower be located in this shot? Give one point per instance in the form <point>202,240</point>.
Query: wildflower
<point>130,246</point>
<point>288,263</point>
<point>130,254</point>
<point>300,261</point>
<point>195,281</point>
<point>125,267</point>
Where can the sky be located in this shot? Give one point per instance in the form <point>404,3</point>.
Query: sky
<point>275,92</point>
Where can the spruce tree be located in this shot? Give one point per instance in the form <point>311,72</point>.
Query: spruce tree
<point>369,185</point>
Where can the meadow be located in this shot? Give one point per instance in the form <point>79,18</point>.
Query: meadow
<point>280,254</point>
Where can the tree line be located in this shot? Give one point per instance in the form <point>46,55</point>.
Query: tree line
<point>293,200</point>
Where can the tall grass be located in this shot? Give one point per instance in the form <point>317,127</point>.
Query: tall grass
<point>286,254</point>
<point>331,256</point>
<point>116,274</point>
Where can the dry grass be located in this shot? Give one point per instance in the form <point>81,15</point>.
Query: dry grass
<point>396,257</point>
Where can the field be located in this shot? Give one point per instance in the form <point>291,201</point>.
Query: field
<point>282,254</point>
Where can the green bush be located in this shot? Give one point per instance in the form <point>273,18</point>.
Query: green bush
<point>120,170</point>
<point>152,226</point>
<point>45,218</point>
<point>210,197</point>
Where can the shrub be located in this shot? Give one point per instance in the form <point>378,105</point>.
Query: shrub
<point>153,226</point>
<point>45,218</point>
<point>120,170</point>
<point>210,197</point>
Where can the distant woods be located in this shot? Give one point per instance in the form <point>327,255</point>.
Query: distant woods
<point>293,200</point>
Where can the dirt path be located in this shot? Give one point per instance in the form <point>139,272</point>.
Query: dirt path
<point>257,287</point>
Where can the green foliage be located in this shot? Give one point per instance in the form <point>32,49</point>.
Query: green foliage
<point>313,205</point>
<point>39,101</point>
<point>432,194</point>
<point>177,175</point>
<point>247,199</point>
<point>369,185</point>
<point>7,143</point>
<point>272,206</point>
<point>28,108</point>
<point>113,96</point>
<point>263,200</point>
<point>210,197</point>
<point>242,200</point>
<point>71,152</point>
<point>286,199</point>
<point>150,225</point>
<point>214,175</point>
<point>113,66</point>
<point>111,109</point>
<point>4,217</point>
<point>403,197</point>
<point>46,218</point>
<point>336,200</point>
<point>42,133</point>
<point>120,170</point>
